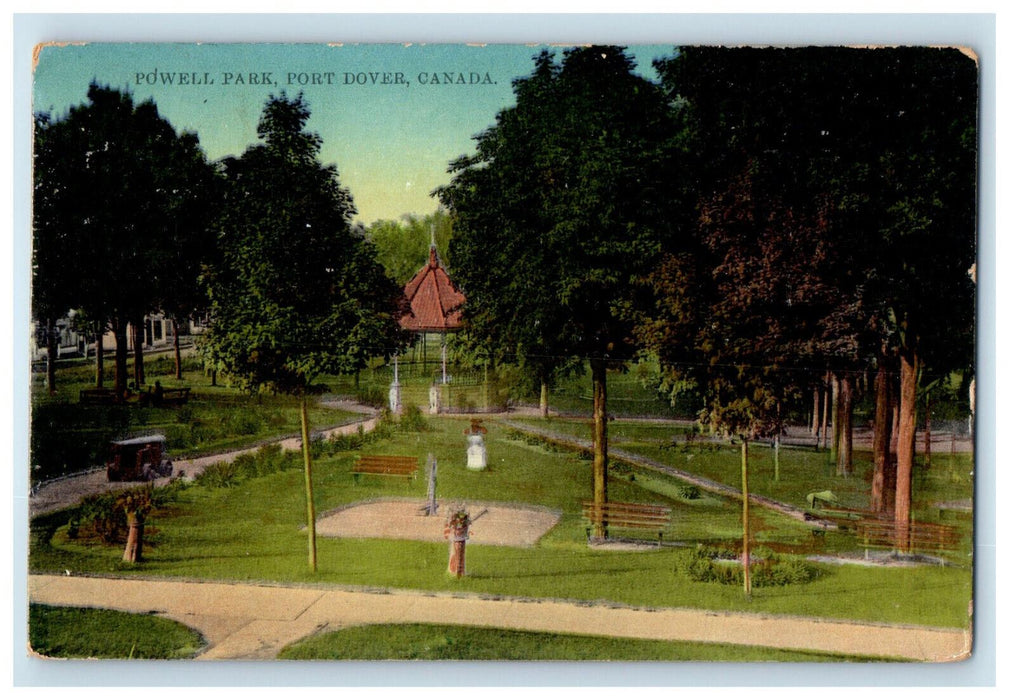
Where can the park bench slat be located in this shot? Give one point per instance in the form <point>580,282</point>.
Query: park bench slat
<point>644,516</point>
<point>97,397</point>
<point>385,465</point>
<point>922,535</point>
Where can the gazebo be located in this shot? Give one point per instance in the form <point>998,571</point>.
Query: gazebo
<point>434,305</point>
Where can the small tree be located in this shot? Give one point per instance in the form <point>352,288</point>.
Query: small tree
<point>296,292</point>
<point>136,504</point>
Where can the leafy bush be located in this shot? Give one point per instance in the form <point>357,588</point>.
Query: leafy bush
<point>219,475</point>
<point>105,514</point>
<point>689,492</point>
<point>412,420</point>
<point>710,565</point>
<point>372,396</point>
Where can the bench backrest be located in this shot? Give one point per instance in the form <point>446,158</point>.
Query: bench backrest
<point>632,513</point>
<point>386,464</point>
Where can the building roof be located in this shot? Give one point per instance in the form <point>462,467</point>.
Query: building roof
<point>434,300</point>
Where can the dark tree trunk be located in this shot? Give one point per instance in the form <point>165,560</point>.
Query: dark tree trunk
<point>51,355</point>
<point>826,401</point>
<point>176,350</point>
<point>927,433</point>
<point>816,411</point>
<point>599,371</point>
<point>834,445</point>
<point>905,446</point>
<point>139,353</point>
<point>100,369</point>
<point>883,481</point>
<point>845,453</point>
<point>120,358</point>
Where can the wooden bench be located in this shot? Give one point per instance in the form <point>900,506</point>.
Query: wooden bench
<point>165,397</point>
<point>626,516</point>
<point>97,397</point>
<point>924,537</point>
<point>175,397</point>
<point>385,465</point>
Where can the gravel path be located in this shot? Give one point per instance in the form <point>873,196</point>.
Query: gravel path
<point>247,621</point>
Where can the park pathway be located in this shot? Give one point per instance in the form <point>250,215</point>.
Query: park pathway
<point>69,490</point>
<point>249,621</point>
<point>689,477</point>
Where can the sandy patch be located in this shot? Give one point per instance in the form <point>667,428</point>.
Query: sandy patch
<point>502,524</point>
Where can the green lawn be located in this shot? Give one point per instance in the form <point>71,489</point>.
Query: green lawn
<point>449,642</point>
<point>252,532</point>
<point>107,634</point>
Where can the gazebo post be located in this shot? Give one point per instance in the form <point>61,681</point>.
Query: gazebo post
<point>444,360</point>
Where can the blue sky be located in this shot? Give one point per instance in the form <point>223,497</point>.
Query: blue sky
<point>391,142</point>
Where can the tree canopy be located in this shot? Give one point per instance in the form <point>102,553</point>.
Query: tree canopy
<point>297,291</point>
<point>121,213</point>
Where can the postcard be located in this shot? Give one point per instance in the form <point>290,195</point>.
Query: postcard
<point>503,352</point>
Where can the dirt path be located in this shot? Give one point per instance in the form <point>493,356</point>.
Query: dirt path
<point>244,621</point>
<point>700,481</point>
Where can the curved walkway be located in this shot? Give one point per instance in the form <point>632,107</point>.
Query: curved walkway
<point>247,621</point>
<point>67,491</point>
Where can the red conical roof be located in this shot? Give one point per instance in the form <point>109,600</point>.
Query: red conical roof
<point>434,301</point>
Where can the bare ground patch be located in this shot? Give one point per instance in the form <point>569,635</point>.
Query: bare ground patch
<point>506,525</point>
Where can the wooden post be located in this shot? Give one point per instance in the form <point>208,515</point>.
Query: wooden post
<point>309,483</point>
<point>431,507</point>
<point>746,550</point>
<point>599,371</point>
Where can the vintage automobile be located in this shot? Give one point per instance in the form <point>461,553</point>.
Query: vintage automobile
<point>138,459</point>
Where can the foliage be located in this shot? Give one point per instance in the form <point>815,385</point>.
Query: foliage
<point>403,246</point>
<point>77,633</point>
<point>835,224</point>
<point>707,564</point>
<point>297,292</point>
<point>104,515</point>
<point>556,215</point>
<point>125,202</point>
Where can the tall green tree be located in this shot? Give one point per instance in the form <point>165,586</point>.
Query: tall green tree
<point>297,292</point>
<point>113,179</point>
<point>559,215</point>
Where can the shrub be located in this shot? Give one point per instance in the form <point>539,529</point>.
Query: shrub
<point>709,565</point>
<point>219,475</point>
<point>105,514</point>
<point>412,420</point>
<point>689,492</point>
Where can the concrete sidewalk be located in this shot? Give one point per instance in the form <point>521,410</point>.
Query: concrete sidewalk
<point>247,621</point>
